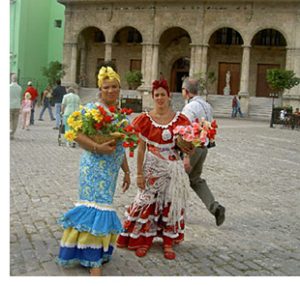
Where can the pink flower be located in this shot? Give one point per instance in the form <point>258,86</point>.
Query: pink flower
<point>188,137</point>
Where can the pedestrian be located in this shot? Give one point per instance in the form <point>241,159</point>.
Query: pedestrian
<point>26,110</point>
<point>57,95</point>
<point>46,104</point>
<point>196,108</point>
<point>158,209</point>
<point>91,228</point>
<point>238,107</point>
<point>15,95</point>
<point>234,106</point>
<point>70,103</point>
<point>34,96</point>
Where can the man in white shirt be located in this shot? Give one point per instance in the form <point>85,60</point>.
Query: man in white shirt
<point>15,104</point>
<point>198,108</point>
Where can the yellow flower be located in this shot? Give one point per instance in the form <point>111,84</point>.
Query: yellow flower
<point>70,135</point>
<point>77,125</point>
<point>98,117</point>
<point>70,121</point>
<point>76,113</point>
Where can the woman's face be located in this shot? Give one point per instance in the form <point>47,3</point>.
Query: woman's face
<point>110,91</point>
<point>160,97</point>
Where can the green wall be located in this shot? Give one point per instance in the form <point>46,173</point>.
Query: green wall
<point>35,40</point>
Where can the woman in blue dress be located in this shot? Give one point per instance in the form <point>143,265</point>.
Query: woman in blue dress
<point>92,226</point>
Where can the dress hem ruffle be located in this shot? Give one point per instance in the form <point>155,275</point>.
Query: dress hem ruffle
<point>85,263</point>
<point>92,220</point>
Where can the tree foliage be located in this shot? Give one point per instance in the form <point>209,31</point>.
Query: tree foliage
<point>281,79</point>
<point>134,78</point>
<point>205,80</point>
<point>53,72</point>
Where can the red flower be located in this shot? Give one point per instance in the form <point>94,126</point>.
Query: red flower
<point>102,110</point>
<point>129,111</point>
<point>131,144</point>
<point>128,128</point>
<point>211,133</point>
<point>112,109</point>
<point>125,144</point>
<point>107,119</point>
<point>131,154</point>
<point>214,124</point>
<point>98,125</point>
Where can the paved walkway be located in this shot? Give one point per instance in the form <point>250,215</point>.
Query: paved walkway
<point>253,172</point>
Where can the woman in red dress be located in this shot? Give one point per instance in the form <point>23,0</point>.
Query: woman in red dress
<point>158,208</point>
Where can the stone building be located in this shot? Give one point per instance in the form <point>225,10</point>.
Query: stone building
<point>177,38</point>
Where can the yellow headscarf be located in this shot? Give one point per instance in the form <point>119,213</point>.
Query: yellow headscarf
<point>107,72</point>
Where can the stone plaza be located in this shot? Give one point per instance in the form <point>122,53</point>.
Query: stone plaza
<point>253,172</point>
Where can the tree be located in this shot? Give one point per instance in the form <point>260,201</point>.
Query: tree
<point>205,80</point>
<point>134,79</point>
<point>281,79</point>
<point>53,72</point>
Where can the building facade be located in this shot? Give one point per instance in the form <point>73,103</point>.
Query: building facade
<point>236,41</point>
<point>36,38</point>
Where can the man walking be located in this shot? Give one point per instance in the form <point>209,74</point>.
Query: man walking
<point>34,95</point>
<point>198,108</point>
<point>58,94</point>
<point>15,104</point>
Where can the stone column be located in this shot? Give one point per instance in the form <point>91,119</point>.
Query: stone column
<point>73,64</point>
<point>199,59</point>
<point>292,96</point>
<point>148,53</point>
<point>192,61</point>
<point>154,74</point>
<point>244,81</point>
<point>67,60</point>
<point>82,72</point>
<point>108,52</point>
<point>203,69</point>
<point>147,57</point>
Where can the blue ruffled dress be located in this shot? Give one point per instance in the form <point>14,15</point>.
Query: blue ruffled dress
<point>92,226</point>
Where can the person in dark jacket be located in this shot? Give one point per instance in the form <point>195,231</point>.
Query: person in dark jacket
<point>57,95</point>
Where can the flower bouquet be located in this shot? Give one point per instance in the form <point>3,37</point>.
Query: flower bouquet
<point>198,134</point>
<point>103,125</point>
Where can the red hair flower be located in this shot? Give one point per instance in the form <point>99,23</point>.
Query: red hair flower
<point>160,83</point>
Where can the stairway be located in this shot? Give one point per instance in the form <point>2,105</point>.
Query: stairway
<point>221,105</point>
<point>260,108</point>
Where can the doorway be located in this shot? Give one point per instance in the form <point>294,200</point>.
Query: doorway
<point>234,69</point>
<point>262,87</point>
<point>180,70</point>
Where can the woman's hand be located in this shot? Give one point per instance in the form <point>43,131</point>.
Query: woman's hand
<point>126,182</point>
<point>107,147</point>
<point>140,181</point>
<point>186,150</point>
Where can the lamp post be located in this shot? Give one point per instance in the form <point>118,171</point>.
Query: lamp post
<point>273,95</point>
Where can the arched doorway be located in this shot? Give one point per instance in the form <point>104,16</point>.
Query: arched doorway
<point>127,52</point>
<point>268,52</point>
<point>174,56</point>
<point>91,48</point>
<point>225,57</point>
<point>180,70</point>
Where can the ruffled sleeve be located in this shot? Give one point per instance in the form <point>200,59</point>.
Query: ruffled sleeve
<point>142,124</point>
<point>183,120</point>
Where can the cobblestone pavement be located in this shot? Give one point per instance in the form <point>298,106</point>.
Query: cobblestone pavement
<point>253,172</point>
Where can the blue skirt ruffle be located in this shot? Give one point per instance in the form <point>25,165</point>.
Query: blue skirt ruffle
<point>69,257</point>
<point>96,222</point>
